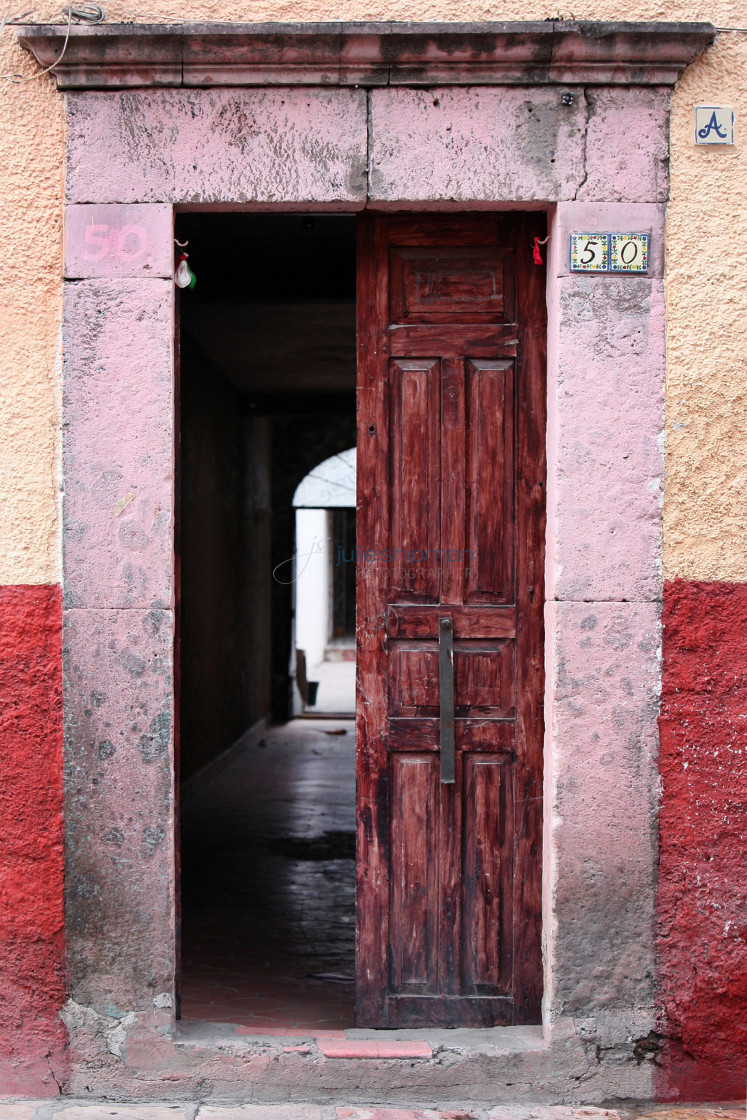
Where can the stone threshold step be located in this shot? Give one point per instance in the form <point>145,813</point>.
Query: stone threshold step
<point>358,1043</point>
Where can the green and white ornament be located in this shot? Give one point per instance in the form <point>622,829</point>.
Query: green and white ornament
<point>184,277</point>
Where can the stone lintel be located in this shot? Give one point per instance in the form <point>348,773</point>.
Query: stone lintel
<point>127,56</point>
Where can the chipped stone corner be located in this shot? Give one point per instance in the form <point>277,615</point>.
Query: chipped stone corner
<point>91,1031</point>
<point>607,1056</point>
<point>106,1050</point>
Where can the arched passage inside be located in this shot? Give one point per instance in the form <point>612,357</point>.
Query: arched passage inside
<point>267,394</point>
<point>324,588</point>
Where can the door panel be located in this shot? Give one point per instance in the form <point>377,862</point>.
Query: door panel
<point>414,479</point>
<point>439,285</point>
<point>490,471</point>
<point>413,938</point>
<point>486,918</point>
<point>451,471</point>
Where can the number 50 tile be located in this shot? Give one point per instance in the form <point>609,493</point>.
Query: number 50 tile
<point>609,252</point>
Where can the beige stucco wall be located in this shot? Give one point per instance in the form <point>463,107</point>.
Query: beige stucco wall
<point>30,304</point>
<point>706,290</point>
<point>706,285</point>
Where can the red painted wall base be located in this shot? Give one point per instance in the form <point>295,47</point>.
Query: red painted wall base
<point>32,990</point>
<point>702,894</point>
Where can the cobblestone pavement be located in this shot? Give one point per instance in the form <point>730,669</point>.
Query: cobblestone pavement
<point>65,1109</point>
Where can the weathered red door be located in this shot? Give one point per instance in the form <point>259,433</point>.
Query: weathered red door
<point>451,476</point>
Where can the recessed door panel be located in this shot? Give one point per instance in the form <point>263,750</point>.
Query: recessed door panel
<point>490,459</point>
<point>414,479</point>
<point>487,873</point>
<point>483,679</point>
<point>413,933</point>
<point>438,284</point>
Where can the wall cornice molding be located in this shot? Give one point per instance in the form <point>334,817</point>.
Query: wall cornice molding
<point>129,56</point>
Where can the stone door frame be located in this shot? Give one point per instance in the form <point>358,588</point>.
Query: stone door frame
<point>340,118</point>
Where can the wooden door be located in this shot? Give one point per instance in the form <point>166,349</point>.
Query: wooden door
<point>451,500</point>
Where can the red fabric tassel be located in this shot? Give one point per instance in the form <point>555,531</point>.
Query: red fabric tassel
<point>536,251</point>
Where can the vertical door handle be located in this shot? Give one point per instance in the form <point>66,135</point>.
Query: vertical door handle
<point>446,696</point>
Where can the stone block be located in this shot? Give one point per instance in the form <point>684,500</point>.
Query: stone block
<point>286,1032</point>
<point>370,1048</point>
<point>117,240</point>
<point>119,808</point>
<point>118,443</point>
<point>218,145</point>
<point>694,1112</point>
<point>379,1112</point>
<point>604,438</point>
<point>627,145</point>
<point>122,1112</point>
<point>601,778</point>
<point>475,145</point>
<point>260,1112</point>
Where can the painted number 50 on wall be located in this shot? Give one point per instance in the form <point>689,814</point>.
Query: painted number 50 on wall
<point>118,240</point>
<point>101,240</point>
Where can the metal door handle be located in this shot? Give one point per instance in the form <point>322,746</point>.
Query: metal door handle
<point>446,697</point>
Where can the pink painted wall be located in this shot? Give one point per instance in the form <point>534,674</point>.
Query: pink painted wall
<point>118,554</point>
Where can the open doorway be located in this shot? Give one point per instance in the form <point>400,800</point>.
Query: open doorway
<point>450,381</point>
<point>267,388</point>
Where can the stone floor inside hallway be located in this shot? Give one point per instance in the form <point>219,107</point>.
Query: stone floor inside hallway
<point>268,883</point>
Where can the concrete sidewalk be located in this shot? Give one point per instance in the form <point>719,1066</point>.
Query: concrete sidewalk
<point>64,1108</point>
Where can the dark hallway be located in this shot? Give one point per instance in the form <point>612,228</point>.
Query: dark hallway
<point>267,391</point>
